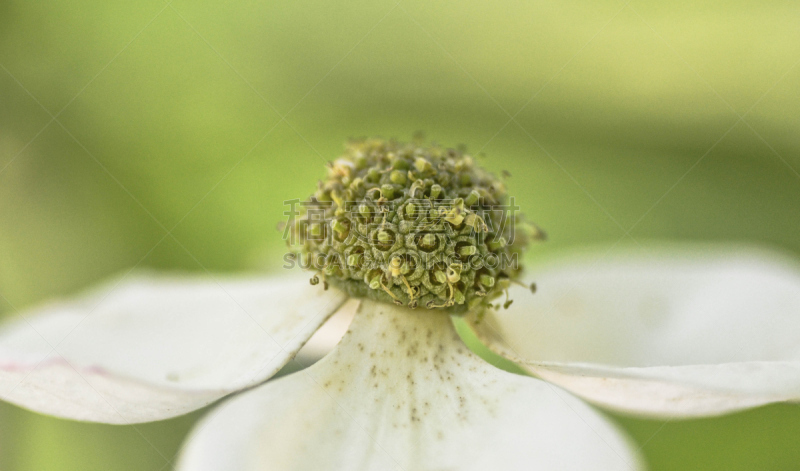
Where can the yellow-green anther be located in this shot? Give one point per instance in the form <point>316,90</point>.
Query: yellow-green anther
<point>417,185</point>
<point>411,209</point>
<point>428,241</point>
<point>315,229</point>
<point>387,191</point>
<point>398,177</point>
<point>455,216</point>
<point>474,221</point>
<point>468,250</point>
<point>436,190</point>
<point>337,226</point>
<point>384,237</point>
<point>458,296</point>
<point>354,259</point>
<point>453,273</point>
<point>498,243</point>
<point>364,210</point>
<point>422,165</point>
<point>395,265</point>
<point>375,282</point>
<point>486,280</point>
<point>472,198</point>
<point>440,276</point>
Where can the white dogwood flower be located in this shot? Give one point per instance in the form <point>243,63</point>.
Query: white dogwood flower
<point>668,334</point>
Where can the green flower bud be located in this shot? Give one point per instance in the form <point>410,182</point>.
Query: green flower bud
<point>384,237</point>
<point>373,175</point>
<point>422,165</point>
<point>375,282</point>
<point>472,198</point>
<point>467,250</point>
<point>486,280</point>
<point>498,243</point>
<point>397,177</point>
<point>411,209</point>
<point>399,163</point>
<point>354,259</point>
<point>428,241</point>
<point>387,191</point>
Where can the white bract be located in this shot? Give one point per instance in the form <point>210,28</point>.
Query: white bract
<point>679,334</point>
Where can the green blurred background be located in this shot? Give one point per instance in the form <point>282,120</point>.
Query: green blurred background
<point>167,135</point>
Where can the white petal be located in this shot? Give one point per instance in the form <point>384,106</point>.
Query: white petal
<point>149,348</point>
<point>328,335</point>
<point>684,333</point>
<point>402,392</point>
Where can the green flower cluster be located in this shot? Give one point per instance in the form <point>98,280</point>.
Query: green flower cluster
<point>413,225</point>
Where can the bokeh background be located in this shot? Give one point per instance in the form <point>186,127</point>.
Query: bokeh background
<point>167,134</point>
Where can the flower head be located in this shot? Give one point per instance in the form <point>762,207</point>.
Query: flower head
<point>414,226</point>
<point>675,333</point>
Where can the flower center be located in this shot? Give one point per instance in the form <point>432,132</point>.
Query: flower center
<point>413,225</point>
